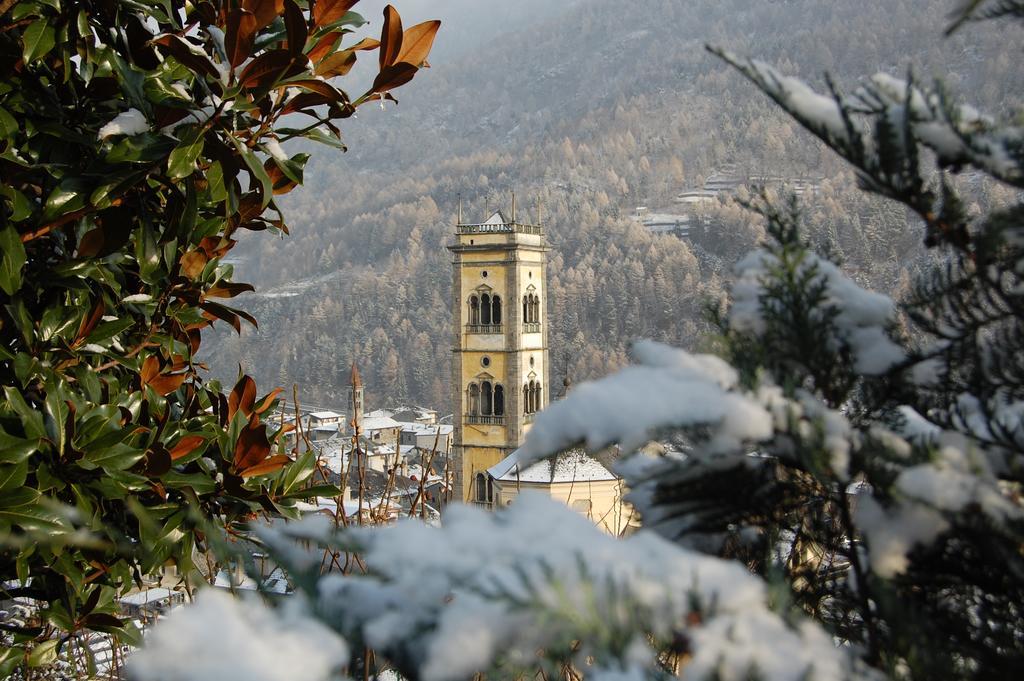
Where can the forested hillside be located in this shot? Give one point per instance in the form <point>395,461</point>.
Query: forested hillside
<point>590,108</point>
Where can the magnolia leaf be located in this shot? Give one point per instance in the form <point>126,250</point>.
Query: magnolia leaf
<point>328,11</point>
<point>186,446</point>
<point>393,76</point>
<point>271,465</point>
<point>239,36</point>
<point>12,259</point>
<point>265,11</point>
<point>182,161</point>
<point>295,25</point>
<point>390,37</point>
<point>417,41</point>
<point>338,64</point>
<point>252,446</point>
<point>242,397</point>
<point>38,40</point>
<point>323,47</point>
<point>192,263</point>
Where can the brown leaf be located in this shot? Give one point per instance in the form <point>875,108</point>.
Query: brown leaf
<point>366,44</point>
<point>165,385</point>
<point>215,247</point>
<point>228,289</point>
<point>390,37</point>
<point>268,400</point>
<point>90,320</point>
<point>242,397</point>
<point>338,64</point>
<point>282,184</point>
<point>271,465</point>
<point>269,67</point>
<point>417,41</point>
<point>326,11</point>
<point>186,446</point>
<point>329,92</point>
<point>264,10</point>
<point>252,446</point>
<point>393,76</point>
<point>303,100</point>
<point>295,27</point>
<point>240,35</point>
<point>113,231</point>
<point>214,311</point>
<point>192,263</point>
<point>150,368</point>
<point>324,46</point>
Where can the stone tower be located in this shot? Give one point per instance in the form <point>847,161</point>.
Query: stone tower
<point>500,366</point>
<point>356,399</point>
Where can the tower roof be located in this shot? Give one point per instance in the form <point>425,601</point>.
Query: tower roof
<point>354,379</point>
<point>497,218</point>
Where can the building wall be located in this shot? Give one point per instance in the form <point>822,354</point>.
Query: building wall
<point>606,507</point>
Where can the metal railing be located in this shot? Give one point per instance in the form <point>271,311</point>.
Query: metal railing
<point>486,420</point>
<point>528,418</point>
<point>499,228</point>
<point>531,327</point>
<point>483,328</point>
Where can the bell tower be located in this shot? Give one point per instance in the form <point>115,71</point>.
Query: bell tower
<point>500,367</point>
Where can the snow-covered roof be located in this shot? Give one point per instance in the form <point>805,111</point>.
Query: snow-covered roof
<point>426,429</point>
<point>148,596</point>
<point>574,465</point>
<point>324,415</point>
<point>497,218</point>
<point>377,413</point>
<point>378,423</point>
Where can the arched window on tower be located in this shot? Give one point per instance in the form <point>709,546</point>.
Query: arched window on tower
<point>487,399</point>
<point>474,399</point>
<point>474,310</point>
<point>535,309</point>
<point>485,309</point>
<point>526,399</point>
<point>496,310</point>
<point>526,309</point>
<point>499,400</point>
<point>481,488</point>
<point>537,399</point>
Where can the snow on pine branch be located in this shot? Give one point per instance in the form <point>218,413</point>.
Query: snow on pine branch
<point>223,638</point>
<point>862,315</point>
<point>538,585</point>
<point>670,388</point>
<point>957,134</point>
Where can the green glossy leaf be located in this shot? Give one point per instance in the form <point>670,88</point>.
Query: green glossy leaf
<point>38,40</point>
<point>116,457</point>
<point>67,197</point>
<point>182,161</point>
<point>15,449</point>
<point>13,476</point>
<point>257,170</point>
<point>12,260</point>
<point>20,496</point>
<point>21,207</point>
<point>36,519</point>
<point>31,419</point>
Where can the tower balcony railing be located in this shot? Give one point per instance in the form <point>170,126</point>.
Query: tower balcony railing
<point>528,418</point>
<point>531,327</point>
<point>483,328</point>
<point>499,228</point>
<point>487,420</point>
